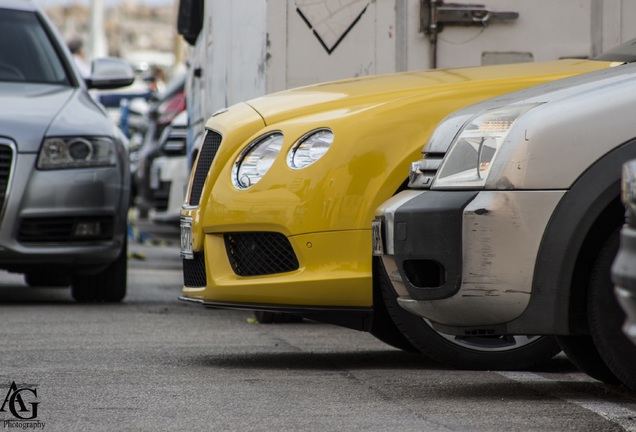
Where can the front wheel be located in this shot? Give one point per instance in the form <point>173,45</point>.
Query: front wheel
<point>473,352</point>
<point>107,286</point>
<point>583,353</point>
<point>606,317</point>
<point>384,329</point>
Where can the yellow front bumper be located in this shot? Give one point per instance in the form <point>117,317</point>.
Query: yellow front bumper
<point>334,271</point>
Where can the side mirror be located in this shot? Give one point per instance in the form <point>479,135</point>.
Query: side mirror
<point>110,73</point>
<point>190,19</point>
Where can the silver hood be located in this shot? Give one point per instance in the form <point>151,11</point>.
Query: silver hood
<point>29,112</point>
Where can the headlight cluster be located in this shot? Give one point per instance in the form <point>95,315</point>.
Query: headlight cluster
<point>256,160</point>
<point>258,157</point>
<point>76,152</point>
<point>309,148</point>
<point>473,151</point>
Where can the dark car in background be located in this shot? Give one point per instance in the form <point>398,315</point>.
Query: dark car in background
<point>168,104</point>
<point>169,173</point>
<point>64,170</point>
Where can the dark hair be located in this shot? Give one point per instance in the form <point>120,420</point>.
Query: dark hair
<point>75,45</point>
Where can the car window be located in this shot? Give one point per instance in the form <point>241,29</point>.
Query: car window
<point>625,52</point>
<point>26,51</point>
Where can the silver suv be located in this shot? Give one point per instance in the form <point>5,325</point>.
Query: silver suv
<point>64,173</point>
<point>513,221</point>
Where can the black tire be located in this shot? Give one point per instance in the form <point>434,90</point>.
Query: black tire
<point>583,354</point>
<point>48,279</point>
<point>107,286</point>
<point>266,317</point>
<point>476,353</point>
<point>606,317</point>
<point>383,328</point>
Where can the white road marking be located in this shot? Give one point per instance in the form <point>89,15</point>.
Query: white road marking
<point>614,412</point>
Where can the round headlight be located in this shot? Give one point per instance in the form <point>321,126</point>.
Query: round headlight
<point>309,148</point>
<point>80,149</point>
<point>256,160</point>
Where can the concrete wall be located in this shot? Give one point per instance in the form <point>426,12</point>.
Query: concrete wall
<point>252,47</point>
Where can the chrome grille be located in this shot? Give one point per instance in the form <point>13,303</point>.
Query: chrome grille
<point>6,160</point>
<point>206,157</point>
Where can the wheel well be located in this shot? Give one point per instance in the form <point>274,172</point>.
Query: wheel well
<point>611,218</point>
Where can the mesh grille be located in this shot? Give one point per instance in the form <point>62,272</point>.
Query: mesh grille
<point>260,253</point>
<point>6,156</point>
<point>206,156</point>
<point>61,229</point>
<point>194,271</point>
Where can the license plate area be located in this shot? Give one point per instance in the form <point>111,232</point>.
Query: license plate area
<point>186,238</point>
<point>378,244</point>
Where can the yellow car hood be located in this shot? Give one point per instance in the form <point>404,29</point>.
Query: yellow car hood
<point>381,89</point>
<point>381,123</point>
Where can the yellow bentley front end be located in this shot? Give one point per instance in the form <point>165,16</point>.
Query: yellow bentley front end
<point>280,203</point>
<point>263,239</point>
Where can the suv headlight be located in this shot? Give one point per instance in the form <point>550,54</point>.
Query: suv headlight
<point>474,149</point>
<point>256,160</point>
<point>76,152</point>
<point>309,148</point>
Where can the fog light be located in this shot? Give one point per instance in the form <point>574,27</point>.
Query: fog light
<point>87,229</point>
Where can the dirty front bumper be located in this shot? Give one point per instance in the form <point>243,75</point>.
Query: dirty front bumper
<point>463,258</point>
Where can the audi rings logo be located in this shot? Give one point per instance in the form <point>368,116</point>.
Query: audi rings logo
<point>21,402</point>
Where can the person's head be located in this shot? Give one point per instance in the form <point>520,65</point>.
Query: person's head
<point>76,46</point>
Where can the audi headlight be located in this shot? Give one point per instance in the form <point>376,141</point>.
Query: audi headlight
<point>309,148</point>
<point>256,160</point>
<point>474,149</point>
<point>76,152</point>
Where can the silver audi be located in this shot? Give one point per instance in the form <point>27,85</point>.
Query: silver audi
<point>64,173</point>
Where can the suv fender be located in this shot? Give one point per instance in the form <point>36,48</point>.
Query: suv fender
<point>582,221</point>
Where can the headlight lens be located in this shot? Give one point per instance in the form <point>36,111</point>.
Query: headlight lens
<point>473,151</point>
<point>76,152</point>
<point>309,148</point>
<point>256,160</point>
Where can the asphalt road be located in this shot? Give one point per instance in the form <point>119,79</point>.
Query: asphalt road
<point>155,364</point>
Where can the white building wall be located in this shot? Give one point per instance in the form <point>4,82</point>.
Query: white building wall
<point>254,47</point>
<point>233,68</point>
